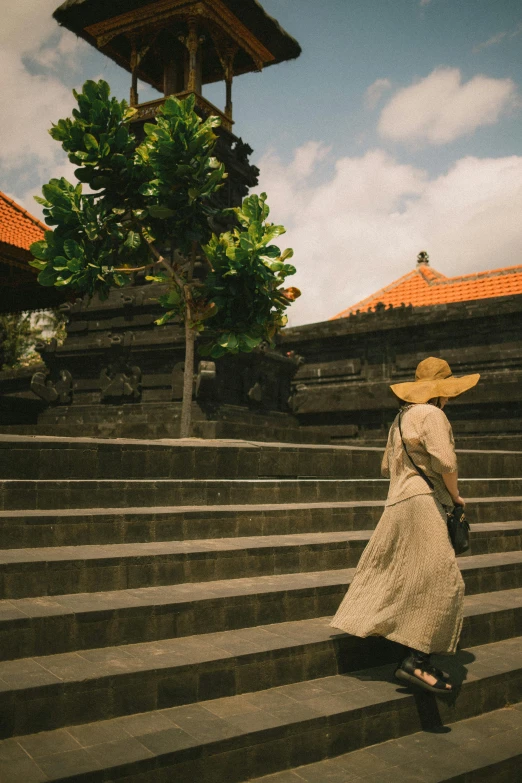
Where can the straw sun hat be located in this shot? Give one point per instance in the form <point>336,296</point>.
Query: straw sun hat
<point>433,378</point>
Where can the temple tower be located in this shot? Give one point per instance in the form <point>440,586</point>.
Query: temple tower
<point>179,46</point>
<point>118,374</point>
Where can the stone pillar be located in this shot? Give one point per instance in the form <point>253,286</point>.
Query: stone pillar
<point>173,75</point>
<point>134,68</point>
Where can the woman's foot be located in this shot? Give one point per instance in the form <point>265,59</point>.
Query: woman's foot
<point>417,670</point>
<point>438,673</point>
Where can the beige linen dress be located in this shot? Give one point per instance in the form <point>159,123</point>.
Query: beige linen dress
<point>408,586</point>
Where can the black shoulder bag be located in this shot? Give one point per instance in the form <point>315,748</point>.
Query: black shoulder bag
<point>458,525</point>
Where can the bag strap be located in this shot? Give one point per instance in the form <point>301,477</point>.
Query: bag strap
<point>428,481</point>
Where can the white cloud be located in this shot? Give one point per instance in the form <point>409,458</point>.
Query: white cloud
<point>24,136</point>
<point>440,108</point>
<point>496,39</point>
<point>26,25</point>
<point>34,55</point>
<point>375,91</point>
<point>364,227</point>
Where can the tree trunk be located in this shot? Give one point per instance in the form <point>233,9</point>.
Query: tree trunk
<point>188,380</point>
<point>188,372</point>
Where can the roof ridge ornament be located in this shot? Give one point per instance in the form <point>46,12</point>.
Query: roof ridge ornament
<point>423,259</point>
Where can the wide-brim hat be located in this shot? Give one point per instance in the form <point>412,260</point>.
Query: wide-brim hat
<point>433,378</point>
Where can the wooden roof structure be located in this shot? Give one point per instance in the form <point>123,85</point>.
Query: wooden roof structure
<point>110,26</point>
<point>425,286</point>
<point>19,289</point>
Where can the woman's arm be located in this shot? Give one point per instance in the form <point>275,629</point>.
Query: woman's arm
<point>450,480</point>
<point>438,441</point>
<point>385,464</point>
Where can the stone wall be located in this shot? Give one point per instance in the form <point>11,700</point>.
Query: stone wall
<point>343,385</point>
<point>119,375</point>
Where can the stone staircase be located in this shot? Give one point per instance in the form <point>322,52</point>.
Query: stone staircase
<point>165,617</point>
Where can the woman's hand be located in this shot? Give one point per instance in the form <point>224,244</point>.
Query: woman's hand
<point>458,501</point>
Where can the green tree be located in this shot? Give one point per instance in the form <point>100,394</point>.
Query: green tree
<point>149,208</point>
<point>19,333</point>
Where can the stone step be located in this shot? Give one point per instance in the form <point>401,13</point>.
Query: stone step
<point>69,527</point>
<point>239,737</point>
<point>62,458</point>
<point>40,457</point>
<point>81,569</point>
<point>477,750</point>
<point>103,493</point>
<point>146,676</point>
<point>62,623</point>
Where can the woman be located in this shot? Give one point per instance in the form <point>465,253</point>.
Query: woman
<point>408,586</point>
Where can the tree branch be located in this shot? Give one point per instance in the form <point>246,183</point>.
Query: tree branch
<point>130,269</point>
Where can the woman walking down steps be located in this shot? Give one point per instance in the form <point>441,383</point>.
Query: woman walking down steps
<point>408,586</point>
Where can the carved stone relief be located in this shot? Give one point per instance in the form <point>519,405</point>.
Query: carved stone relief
<point>58,390</point>
<point>120,379</point>
<point>205,380</point>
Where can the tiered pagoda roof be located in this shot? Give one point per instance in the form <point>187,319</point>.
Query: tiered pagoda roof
<point>105,25</point>
<point>425,286</point>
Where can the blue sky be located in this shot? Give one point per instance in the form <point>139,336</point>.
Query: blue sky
<point>398,129</point>
<point>349,44</point>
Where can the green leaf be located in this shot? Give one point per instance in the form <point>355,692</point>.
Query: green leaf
<point>90,142</point>
<point>246,242</point>
<point>129,112</point>
<point>72,249</point>
<point>133,240</point>
<point>272,232</point>
<point>104,90</point>
<point>217,351</point>
<point>38,264</point>
<point>232,342</point>
<point>148,189</point>
<point>84,174</point>
<point>59,262</point>
<point>150,129</point>
<point>166,317</point>
<point>74,264</point>
<point>250,342</point>
<point>48,276</point>
<point>80,156</point>
<point>90,89</point>
<point>40,250</point>
<point>160,211</point>
<point>272,251</point>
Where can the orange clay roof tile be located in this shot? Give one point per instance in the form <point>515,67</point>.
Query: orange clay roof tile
<point>425,286</point>
<point>17,226</point>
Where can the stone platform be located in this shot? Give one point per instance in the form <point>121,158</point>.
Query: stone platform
<point>165,616</point>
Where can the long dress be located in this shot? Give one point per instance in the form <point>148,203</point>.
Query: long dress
<point>408,586</point>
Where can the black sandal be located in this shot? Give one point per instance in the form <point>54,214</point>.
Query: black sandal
<point>427,666</point>
<point>438,673</point>
<point>406,673</point>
